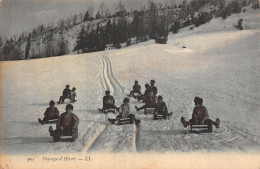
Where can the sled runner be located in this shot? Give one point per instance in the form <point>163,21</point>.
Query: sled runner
<point>123,121</point>
<point>51,121</point>
<point>160,116</point>
<point>200,127</point>
<point>148,110</point>
<point>63,135</point>
<point>110,110</point>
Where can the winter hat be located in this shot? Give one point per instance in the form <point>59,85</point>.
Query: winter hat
<point>126,100</point>
<point>69,106</point>
<point>198,100</point>
<point>160,97</point>
<point>52,103</point>
<point>74,88</point>
<point>107,92</point>
<point>136,82</point>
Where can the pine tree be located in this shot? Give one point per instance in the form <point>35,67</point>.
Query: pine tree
<point>27,49</point>
<point>153,20</point>
<point>80,43</point>
<point>86,17</point>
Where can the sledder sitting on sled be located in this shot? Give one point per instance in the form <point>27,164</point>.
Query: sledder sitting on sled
<point>51,113</point>
<point>200,115</point>
<point>150,101</point>
<point>67,125</point>
<point>124,112</point>
<point>136,89</point>
<point>108,102</point>
<point>153,88</point>
<point>65,94</point>
<point>146,92</point>
<point>161,109</point>
<point>73,95</point>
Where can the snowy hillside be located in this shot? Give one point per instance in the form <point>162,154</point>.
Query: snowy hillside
<point>214,61</point>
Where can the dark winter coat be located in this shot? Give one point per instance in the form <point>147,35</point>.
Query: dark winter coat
<point>68,121</point>
<point>136,87</point>
<point>108,100</point>
<point>200,114</point>
<point>66,93</point>
<point>161,108</point>
<point>51,112</point>
<point>154,89</point>
<point>150,100</point>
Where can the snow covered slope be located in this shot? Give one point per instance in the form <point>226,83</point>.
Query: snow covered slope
<point>214,61</point>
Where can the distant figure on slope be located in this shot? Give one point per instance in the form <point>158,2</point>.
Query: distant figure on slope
<point>161,109</point>
<point>73,95</point>
<point>153,88</point>
<point>108,102</point>
<point>51,113</point>
<point>200,115</point>
<point>150,101</point>
<point>136,89</point>
<point>124,112</point>
<point>65,94</point>
<point>67,125</point>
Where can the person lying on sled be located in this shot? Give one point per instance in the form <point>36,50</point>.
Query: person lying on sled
<point>65,94</point>
<point>160,108</point>
<point>150,101</point>
<point>108,102</point>
<point>200,115</point>
<point>124,112</point>
<point>67,125</point>
<point>136,89</point>
<point>51,113</point>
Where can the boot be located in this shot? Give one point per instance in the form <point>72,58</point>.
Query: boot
<point>112,121</point>
<point>51,131</point>
<point>40,121</point>
<point>137,122</point>
<point>217,123</point>
<point>183,122</point>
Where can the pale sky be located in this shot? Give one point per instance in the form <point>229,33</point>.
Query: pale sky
<point>23,15</point>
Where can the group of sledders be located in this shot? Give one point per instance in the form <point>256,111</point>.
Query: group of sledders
<point>67,122</point>
<point>200,114</point>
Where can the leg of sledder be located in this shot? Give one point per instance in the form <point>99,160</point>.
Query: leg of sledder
<point>133,119</point>
<point>57,134</point>
<point>209,122</point>
<point>75,134</point>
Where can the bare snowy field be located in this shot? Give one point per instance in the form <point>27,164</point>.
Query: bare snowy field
<point>219,64</point>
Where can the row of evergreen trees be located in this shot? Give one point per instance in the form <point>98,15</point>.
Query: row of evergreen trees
<point>152,22</point>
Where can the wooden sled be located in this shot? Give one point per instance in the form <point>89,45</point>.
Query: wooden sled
<point>110,110</point>
<point>160,116</point>
<point>148,110</point>
<point>200,128</point>
<point>124,121</point>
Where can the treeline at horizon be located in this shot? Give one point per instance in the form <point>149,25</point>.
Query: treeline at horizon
<point>102,29</point>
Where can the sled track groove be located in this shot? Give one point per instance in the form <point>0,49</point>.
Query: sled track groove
<point>108,82</point>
